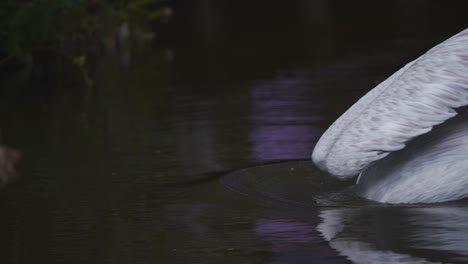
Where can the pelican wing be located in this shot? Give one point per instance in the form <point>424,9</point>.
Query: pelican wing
<point>409,103</point>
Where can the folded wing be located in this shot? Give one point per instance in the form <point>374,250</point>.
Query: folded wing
<point>409,103</point>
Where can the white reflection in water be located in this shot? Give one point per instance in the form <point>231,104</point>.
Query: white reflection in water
<point>8,159</point>
<point>397,235</point>
<point>447,226</point>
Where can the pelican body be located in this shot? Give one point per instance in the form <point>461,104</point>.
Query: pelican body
<point>407,139</point>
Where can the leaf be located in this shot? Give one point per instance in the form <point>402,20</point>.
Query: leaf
<point>80,61</point>
<point>154,15</point>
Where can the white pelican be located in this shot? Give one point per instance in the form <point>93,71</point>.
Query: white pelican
<point>398,137</point>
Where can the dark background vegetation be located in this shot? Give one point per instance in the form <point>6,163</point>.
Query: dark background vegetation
<point>226,33</point>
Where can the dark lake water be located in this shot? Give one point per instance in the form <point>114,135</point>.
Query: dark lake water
<point>148,165</point>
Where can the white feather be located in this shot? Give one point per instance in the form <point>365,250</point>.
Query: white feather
<point>408,104</point>
<point>432,168</point>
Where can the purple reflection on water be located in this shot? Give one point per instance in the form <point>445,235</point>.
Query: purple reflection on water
<point>282,114</point>
<point>295,241</point>
<point>283,142</point>
<point>287,231</point>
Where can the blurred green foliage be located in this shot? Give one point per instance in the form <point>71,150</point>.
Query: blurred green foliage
<point>69,27</point>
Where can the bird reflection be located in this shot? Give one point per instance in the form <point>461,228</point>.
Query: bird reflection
<point>9,157</point>
<point>334,226</point>
<point>397,235</point>
<point>295,241</point>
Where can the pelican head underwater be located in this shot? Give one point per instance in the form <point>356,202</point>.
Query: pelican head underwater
<point>407,139</point>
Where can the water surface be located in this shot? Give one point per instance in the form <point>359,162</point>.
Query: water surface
<point>141,167</point>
